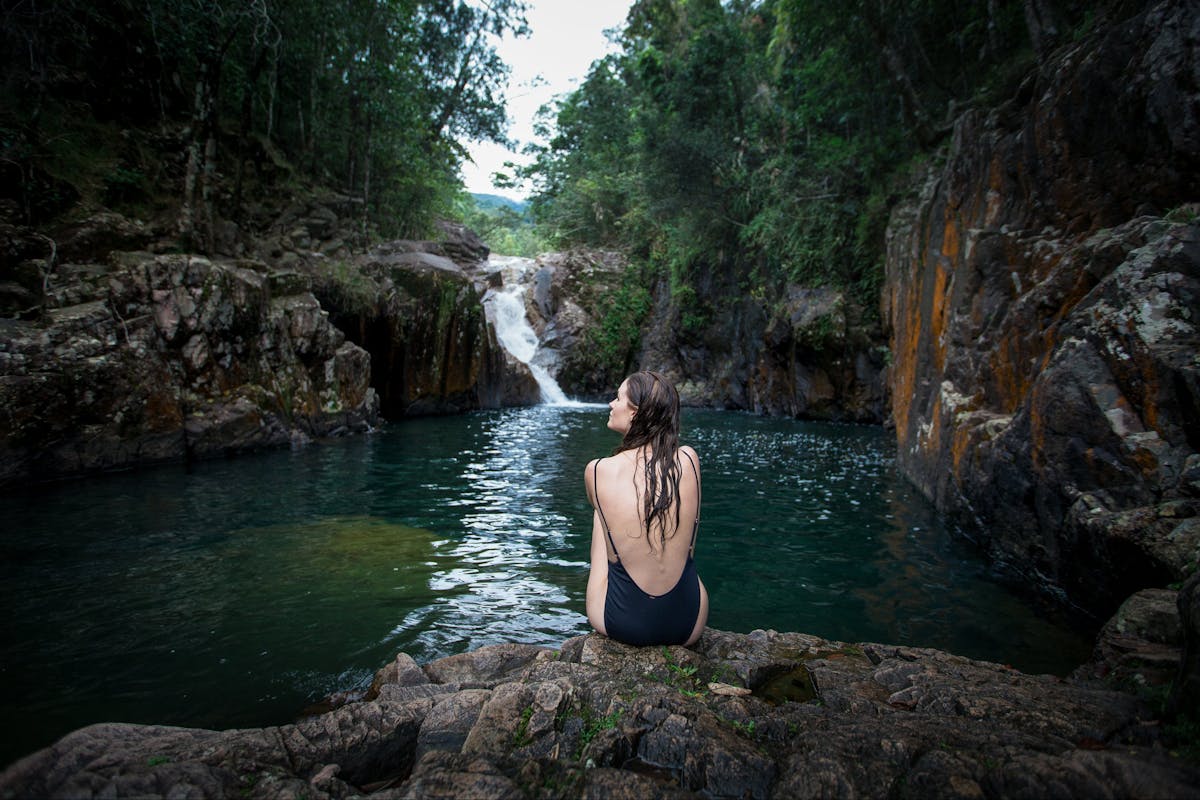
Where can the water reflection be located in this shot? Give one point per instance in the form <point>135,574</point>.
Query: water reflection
<point>517,572</point>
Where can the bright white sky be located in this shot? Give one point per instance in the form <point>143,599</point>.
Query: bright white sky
<point>568,35</point>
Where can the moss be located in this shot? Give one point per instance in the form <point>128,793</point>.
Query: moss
<point>521,737</point>
<point>344,288</point>
<point>592,725</point>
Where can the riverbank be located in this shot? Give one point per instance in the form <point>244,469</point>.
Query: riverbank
<point>757,715</point>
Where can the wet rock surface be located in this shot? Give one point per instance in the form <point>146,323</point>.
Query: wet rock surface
<point>111,357</point>
<point>812,354</point>
<point>600,719</point>
<point>1044,297</point>
<point>146,358</point>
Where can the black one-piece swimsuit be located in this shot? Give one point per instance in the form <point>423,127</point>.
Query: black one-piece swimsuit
<point>636,617</point>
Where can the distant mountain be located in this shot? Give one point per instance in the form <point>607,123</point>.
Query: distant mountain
<point>487,202</point>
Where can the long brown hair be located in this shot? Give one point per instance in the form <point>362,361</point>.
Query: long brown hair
<point>656,426</point>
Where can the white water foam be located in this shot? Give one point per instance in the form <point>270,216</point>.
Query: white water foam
<point>517,337</point>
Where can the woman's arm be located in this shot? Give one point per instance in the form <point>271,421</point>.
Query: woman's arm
<point>597,585</point>
<point>687,452</point>
<point>589,481</point>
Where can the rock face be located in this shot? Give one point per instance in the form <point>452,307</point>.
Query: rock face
<point>809,356</point>
<point>740,716</point>
<point>432,350</point>
<point>112,357</point>
<point>1044,298</point>
<point>819,361</point>
<point>149,358</point>
<point>570,297</point>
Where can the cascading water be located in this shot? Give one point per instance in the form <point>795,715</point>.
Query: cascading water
<point>517,337</point>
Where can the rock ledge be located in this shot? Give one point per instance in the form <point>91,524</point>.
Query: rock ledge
<point>758,715</point>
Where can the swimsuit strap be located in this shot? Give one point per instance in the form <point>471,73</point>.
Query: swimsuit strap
<point>696,526</point>
<point>596,491</point>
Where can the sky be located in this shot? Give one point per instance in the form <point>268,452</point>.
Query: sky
<point>568,35</point>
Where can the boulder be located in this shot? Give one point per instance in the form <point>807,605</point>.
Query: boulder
<point>421,319</point>
<point>1140,646</point>
<point>461,244</point>
<point>1185,693</point>
<point>96,235</point>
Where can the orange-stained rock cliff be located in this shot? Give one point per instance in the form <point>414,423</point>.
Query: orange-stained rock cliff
<point>1044,298</point>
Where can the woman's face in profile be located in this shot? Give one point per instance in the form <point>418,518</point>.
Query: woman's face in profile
<point>621,412</point>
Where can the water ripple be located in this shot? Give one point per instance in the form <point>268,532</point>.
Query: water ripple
<point>263,583</point>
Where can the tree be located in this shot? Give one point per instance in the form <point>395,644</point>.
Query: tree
<point>372,96</point>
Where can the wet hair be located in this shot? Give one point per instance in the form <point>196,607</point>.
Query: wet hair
<point>656,426</point>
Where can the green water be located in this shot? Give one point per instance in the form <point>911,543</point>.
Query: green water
<point>238,592</point>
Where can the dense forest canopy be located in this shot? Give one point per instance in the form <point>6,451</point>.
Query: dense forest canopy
<point>765,140</point>
<point>372,97</point>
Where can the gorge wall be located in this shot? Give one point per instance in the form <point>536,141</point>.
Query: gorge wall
<point>1043,291</point>
<point>145,358</point>
<point>133,357</point>
<point>805,354</point>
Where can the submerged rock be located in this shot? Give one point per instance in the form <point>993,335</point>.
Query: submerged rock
<point>601,719</point>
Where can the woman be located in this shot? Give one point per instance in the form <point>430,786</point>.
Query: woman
<point>643,588</point>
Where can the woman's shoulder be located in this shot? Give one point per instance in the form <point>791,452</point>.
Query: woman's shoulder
<point>589,470</point>
<point>690,452</point>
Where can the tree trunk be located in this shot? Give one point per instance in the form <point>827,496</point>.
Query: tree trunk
<point>993,35</point>
<point>187,209</point>
<point>1041,19</point>
<point>460,85</point>
<point>310,144</point>
<point>352,141</point>
<point>272,93</point>
<point>246,122</point>
<point>366,194</point>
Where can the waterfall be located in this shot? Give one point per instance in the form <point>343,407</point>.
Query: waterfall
<point>515,335</point>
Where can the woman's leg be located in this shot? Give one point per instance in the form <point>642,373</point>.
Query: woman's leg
<point>702,617</point>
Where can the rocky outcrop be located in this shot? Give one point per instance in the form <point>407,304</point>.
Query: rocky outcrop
<point>420,315</point>
<point>111,357</point>
<point>747,716</point>
<point>572,293</point>
<point>1140,647</point>
<point>820,361</point>
<point>1044,293</point>
<point>149,358</point>
<point>808,355</point>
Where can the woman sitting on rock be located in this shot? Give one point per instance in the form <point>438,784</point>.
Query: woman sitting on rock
<point>645,592</point>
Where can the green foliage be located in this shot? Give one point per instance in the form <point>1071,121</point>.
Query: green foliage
<point>620,311</point>
<point>1186,214</point>
<point>521,737</point>
<point>505,226</point>
<point>761,140</point>
<point>371,96</point>
<point>746,729</point>
<point>592,725</point>
<point>1183,738</point>
<point>682,678</point>
<point>343,286</point>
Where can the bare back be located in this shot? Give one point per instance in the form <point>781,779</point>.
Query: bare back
<point>619,489</point>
